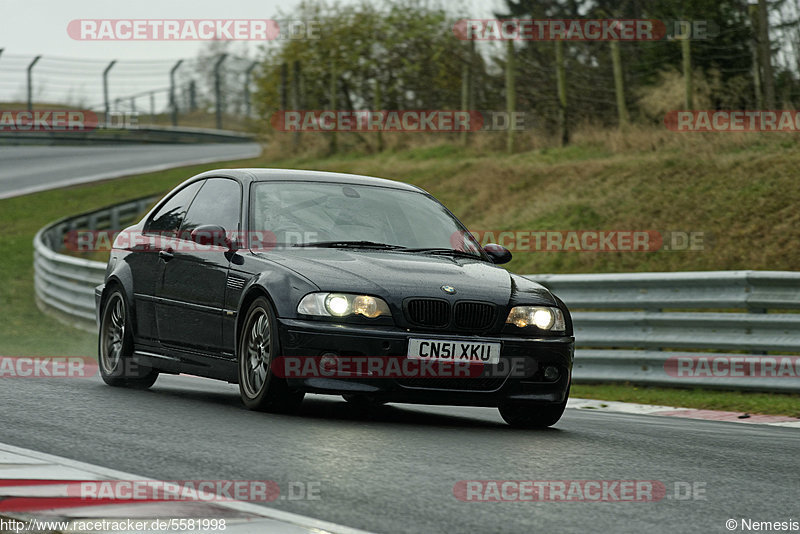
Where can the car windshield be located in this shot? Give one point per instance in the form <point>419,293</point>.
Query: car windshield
<point>332,214</point>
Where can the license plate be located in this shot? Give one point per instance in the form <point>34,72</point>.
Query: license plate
<point>453,350</point>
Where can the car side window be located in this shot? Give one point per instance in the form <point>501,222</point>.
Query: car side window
<point>168,219</point>
<point>219,202</point>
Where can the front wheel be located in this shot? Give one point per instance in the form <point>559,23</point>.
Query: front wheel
<point>115,347</point>
<point>533,416</point>
<point>258,347</point>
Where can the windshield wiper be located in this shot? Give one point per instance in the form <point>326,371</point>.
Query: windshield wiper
<point>449,251</point>
<point>351,244</point>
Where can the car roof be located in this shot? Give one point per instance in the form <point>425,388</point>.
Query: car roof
<point>296,175</point>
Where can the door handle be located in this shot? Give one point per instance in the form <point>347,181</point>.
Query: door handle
<point>166,255</point>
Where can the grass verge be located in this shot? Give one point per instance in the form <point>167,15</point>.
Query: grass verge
<point>704,399</point>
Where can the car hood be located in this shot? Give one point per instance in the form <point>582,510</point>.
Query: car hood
<point>396,275</point>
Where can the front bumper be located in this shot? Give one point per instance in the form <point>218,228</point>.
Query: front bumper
<point>524,358</point>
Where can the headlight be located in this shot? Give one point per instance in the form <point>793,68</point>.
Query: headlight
<point>343,305</point>
<point>338,305</point>
<point>541,317</point>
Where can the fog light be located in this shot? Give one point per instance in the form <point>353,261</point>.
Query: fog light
<point>551,373</point>
<point>328,362</point>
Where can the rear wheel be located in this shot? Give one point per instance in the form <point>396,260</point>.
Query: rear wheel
<point>259,387</point>
<point>115,347</point>
<point>531,415</point>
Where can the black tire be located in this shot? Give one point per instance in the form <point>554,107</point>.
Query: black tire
<point>115,347</point>
<point>259,388</point>
<point>533,416</point>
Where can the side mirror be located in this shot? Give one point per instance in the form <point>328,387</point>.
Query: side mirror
<point>212,235</point>
<point>497,253</point>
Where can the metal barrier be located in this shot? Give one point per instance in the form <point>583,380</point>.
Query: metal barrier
<point>145,134</point>
<point>656,317</point>
<point>64,284</point>
<point>627,326</point>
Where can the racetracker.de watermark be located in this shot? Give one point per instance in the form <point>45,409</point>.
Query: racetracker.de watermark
<point>727,366</point>
<point>46,367</point>
<point>583,29</point>
<point>559,30</point>
<point>398,121</point>
<point>177,490</point>
<point>193,29</point>
<point>733,121</point>
<point>634,491</point>
<point>54,120</point>
<point>466,365</point>
<point>198,241</point>
<point>584,240</point>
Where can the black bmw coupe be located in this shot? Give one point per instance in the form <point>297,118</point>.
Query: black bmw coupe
<point>288,282</point>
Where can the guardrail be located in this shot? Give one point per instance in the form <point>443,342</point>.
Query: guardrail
<point>64,285</point>
<point>627,326</point>
<point>144,134</point>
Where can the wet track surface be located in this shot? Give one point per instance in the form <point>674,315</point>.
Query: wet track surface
<point>394,470</point>
<point>25,169</point>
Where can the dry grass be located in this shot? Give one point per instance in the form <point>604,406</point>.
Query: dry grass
<point>739,189</point>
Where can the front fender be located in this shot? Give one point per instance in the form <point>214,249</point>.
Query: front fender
<point>118,274</point>
<point>282,287</point>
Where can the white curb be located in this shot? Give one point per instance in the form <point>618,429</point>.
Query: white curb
<point>19,463</point>
<point>675,411</point>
